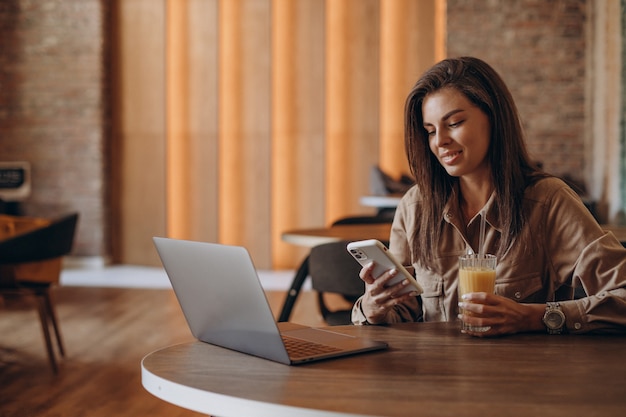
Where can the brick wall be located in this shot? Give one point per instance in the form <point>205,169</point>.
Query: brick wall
<point>539,48</point>
<point>52,108</point>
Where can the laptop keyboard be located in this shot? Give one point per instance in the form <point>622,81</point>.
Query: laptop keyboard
<point>298,348</point>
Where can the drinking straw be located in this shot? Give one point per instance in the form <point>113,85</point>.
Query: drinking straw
<point>481,237</point>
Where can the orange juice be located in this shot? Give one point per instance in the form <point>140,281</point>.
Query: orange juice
<point>476,274</point>
<point>476,279</point>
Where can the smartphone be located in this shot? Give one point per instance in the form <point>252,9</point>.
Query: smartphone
<point>366,251</point>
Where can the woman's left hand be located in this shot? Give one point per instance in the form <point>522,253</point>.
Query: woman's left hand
<point>502,315</point>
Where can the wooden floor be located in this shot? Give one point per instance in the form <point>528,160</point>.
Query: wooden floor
<point>107,331</point>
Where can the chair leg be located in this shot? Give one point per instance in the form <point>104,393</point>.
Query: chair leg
<point>52,315</point>
<point>292,294</point>
<point>338,317</point>
<point>43,317</point>
<point>321,304</point>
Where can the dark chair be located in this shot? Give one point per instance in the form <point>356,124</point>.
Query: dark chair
<point>333,270</point>
<point>292,294</point>
<point>30,263</point>
<point>383,216</point>
<point>303,270</point>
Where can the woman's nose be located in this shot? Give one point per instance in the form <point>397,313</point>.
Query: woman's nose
<point>441,138</point>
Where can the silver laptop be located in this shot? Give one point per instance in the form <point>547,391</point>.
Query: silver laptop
<point>224,304</point>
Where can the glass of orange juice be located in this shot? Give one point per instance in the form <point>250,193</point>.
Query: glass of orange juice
<point>477,273</point>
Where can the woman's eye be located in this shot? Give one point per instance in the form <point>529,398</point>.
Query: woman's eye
<point>456,124</point>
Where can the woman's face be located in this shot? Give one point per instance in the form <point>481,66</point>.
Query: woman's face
<point>458,133</point>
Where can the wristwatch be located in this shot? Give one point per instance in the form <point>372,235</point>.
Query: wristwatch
<point>554,319</point>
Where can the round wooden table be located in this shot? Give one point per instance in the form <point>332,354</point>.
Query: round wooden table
<point>430,369</point>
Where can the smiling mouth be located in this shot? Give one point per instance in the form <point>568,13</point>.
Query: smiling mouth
<point>450,157</point>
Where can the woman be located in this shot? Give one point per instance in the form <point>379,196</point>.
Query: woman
<point>466,150</point>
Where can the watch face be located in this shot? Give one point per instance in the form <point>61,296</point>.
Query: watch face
<point>554,320</point>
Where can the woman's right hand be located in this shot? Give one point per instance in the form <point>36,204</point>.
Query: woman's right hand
<point>379,299</point>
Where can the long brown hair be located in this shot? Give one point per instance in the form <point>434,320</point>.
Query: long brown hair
<point>511,168</point>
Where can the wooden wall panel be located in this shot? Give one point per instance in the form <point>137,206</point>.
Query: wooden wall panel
<point>352,102</point>
<point>178,148</point>
<point>244,126</point>
<point>407,38</point>
<point>192,160</point>
<point>604,111</point>
<point>203,117</point>
<point>275,111</point>
<point>298,148</point>
<point>139,130</point>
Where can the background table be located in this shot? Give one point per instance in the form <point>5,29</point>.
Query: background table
<point>381,231</point>
<point>430,369</point>
<point>380,201</point>
<point>318,236</point>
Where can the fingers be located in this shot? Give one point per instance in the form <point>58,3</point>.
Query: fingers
<point>476,310</point>
<point>380,298</point>
<point>480,298</point>
<point>500,314</point>
<point>486,324</point>
<point>473,307</point>
<point>366,273</point>
<point>380,295</point>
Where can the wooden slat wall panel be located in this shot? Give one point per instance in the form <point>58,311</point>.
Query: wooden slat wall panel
<point>192,119</point>
<point>276,112</point>
<point>604,109</point>
<point>244,126</point>
<point>139,130</point>
<point>405,54</point>
<point>352,102</point>
<point>298,148</point>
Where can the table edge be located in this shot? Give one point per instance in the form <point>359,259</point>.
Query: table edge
<point>222,405</point>
<point>307,241</point>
